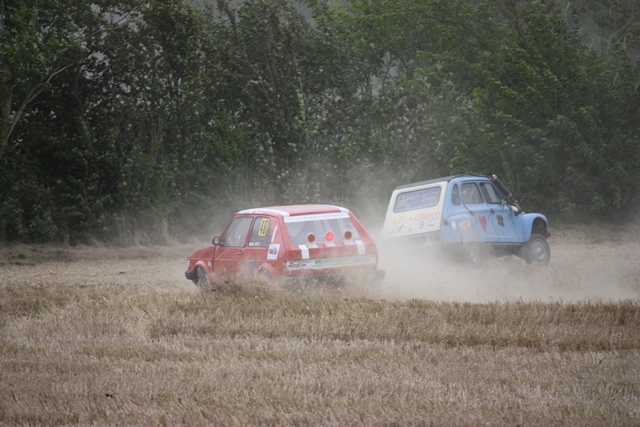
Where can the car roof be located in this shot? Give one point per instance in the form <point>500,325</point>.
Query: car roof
<point>293,210</point>
<point>443,179</point>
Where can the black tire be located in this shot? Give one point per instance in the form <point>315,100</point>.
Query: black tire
<point>202,281</point>
<point>537,251</point>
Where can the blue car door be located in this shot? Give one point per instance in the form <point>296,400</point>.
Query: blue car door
<point>481,227</point>
<point>502,216</point>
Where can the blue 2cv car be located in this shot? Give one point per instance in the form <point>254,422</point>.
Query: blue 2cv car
<point>469,214</point>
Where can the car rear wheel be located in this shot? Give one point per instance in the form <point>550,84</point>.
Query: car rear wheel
<point>536,251</point>
<point>203,281</point>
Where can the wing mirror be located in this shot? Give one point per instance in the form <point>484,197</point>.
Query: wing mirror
<point>217,241</point>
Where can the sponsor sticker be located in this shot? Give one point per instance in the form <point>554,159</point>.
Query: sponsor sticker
<point>323,263</point>
<point>274,249</point>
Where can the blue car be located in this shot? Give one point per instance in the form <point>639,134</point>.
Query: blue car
<point>472,215</point>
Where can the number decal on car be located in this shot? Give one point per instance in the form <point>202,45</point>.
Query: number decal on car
<point>264,226</point>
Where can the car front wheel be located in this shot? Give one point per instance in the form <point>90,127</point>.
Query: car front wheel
<point>536,251</point>
<point>202,280</point>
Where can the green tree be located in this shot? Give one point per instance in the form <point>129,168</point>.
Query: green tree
<point>39,39</point>
<point>50,159</point>
<point>416,53</point>
<point>556,117</point>
<point>503,86</point>
<point>286,78</point>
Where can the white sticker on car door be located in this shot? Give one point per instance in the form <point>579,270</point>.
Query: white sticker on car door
<point>274,249</point>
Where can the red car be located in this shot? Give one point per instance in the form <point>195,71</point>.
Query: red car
<point>283,241</point>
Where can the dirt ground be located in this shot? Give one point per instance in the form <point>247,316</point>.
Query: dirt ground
<point>587,263</point>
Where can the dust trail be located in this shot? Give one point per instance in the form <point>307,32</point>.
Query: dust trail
<point>578,272</point>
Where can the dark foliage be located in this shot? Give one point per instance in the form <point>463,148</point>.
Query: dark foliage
<point>137,122</point>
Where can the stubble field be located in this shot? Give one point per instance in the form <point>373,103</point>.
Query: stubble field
<point>117,336</point>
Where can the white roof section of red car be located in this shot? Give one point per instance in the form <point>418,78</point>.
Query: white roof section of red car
<point>296,210</point>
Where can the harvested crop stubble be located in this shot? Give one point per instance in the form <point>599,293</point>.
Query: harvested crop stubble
<point>96,338</point>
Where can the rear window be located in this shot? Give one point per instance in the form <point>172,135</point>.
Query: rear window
<point>333,230</point>
<point>417,199</point>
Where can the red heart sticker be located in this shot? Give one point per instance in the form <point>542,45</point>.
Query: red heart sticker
<point>483,222</point>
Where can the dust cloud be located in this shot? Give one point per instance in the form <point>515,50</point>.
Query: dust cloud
<point>587,264</point>
<point>581,269</point>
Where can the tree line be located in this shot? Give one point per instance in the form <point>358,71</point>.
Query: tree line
<point>134,121</point>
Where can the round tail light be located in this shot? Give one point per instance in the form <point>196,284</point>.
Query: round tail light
<point>311,237</point>
<point>328,236</point>
<point>348,235</point>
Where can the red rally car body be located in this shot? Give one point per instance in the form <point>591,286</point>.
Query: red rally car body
<point>324,241</point>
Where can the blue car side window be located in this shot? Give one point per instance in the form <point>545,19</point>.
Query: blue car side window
<point>471,194</point>
<point>490,193</point>
<point>455,196</point>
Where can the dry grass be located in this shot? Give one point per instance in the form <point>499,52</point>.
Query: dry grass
<point>98,336</point>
